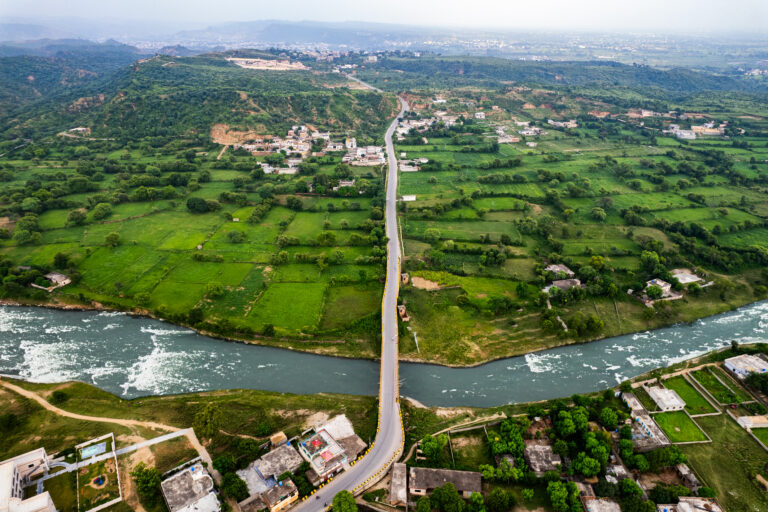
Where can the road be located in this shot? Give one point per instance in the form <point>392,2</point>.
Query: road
<point>388,445</point>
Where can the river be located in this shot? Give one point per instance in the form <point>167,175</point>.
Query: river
<point>133,357</point>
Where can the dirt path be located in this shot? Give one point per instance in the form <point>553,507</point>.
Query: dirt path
<point>221,153</point>
<point>201,450</point>
<point>61,412</point>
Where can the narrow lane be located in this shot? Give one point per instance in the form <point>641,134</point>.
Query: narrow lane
<point>388,445</point>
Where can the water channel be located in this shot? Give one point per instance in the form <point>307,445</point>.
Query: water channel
<point>132,357</point>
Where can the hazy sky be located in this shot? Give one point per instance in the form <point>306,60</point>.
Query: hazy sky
<point>604,15</point>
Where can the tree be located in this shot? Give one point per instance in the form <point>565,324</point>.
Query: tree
<point>102,211</point>
<point>224,464</point>
<point>75,218</point>
<point>207,420</point>
<point>236,236</point>
<point>197,205</point>
<point>232,486</point>
<point>528,494</point>
<point>61,260</point>
<point>498,501</point>
<point>654,292</point>
<point>112,239</point>
<point>608,418</point>
<point>476,503</point>
<point>344,501</point>
<point>58,397</point>
<point>423,505</point>
<point>147,480</point>
<point>434,447</point>
<point>558,496</point>
<point>447,499</point>
<point>598,214</point>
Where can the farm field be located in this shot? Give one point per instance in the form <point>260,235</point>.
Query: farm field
<point>586,198</point>
<point>724,391</point>
<point>678,427</point>
<point>695,403</point>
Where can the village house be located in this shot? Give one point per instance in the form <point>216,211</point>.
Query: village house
<point>744,364</point>
<point>323,453</point>
<point>691,504</point>
<point>398,486</point>
<point>563,124</point>
<point>425,480</point>
<point>531,144</point>
<point>15,475</point>
<point>666,288</point>
<point>685,276</point>
<point>479,115</point>
<point>560,270</point>
<point>541,458</point>
<point>593,504</point>
<point>280,496</point>
<point>403,313</point>
<point>531,131</point>
<point>646,434</point>
<point>263,473</point>
<point>190,490</point>
<point>688,477</point>
<point>666,399</point>
<point>562,284</point>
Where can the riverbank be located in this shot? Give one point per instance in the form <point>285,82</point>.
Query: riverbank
<point>480,351</point>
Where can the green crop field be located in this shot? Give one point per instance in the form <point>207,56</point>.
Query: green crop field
<point>695,403</point>
<point>678,427</point>
<point>726,393</point>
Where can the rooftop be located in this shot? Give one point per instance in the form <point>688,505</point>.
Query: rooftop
<point>398,491</point>
<point>428,478</point>
<point>278,461</point>
<point>691,504</point>
<point>190,490</point>
<point>278,493</point>
<point>541,458</point>
<point>666,399</point>
<point>592,504</point>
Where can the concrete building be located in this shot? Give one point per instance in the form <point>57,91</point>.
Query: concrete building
<point>425,480</point>
<point>685,276</point>
<point>666,288</point>
<point>593,504</point>
<point>190,490</point>
<point>15,475</point>
<point>562,284</point>
<point>541,458</point>
<point>666,399</point>
<point>280,496</point>
<point>688,477</point>
<point>692,504</point>
<point>750,422</point>
<point>398,485</point>
<point>743,365</point>
<point>324,453</point>
<point>559,270</point>
<point>479,115</point>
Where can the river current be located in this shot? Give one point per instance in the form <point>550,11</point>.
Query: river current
<point>133,357</point>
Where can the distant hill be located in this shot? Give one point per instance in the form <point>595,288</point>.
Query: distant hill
<point>34,70</point>
<point>457,71</point>
<point>177,51</point>
<point>174,96</point>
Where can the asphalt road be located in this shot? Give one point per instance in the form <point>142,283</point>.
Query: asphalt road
<point>388,445</point>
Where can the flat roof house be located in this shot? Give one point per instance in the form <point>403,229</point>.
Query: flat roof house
<point>280,496</point>
<point>190,490</point>
<point>560,269</point>
<point>398,485</point>
<point>541,458</point>
<point>593,504</point>
<point>325,455</point>
<point>743,365</point>
<point>666,399</point>
<point>14,476</point>
<point>691,504</point>
<point>426,480</point>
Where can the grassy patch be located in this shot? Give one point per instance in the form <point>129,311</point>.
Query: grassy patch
<point>679,427</point>
<point>695,403</point>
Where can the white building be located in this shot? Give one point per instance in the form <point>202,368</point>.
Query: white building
<point>743,365</point>
<point>666,399</point>
<point>15,475</point>
<point>479,115</point>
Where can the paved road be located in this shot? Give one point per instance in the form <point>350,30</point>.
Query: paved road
<point>388,445</point>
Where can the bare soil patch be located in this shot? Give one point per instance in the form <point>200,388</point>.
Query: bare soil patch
<point>424,284</point>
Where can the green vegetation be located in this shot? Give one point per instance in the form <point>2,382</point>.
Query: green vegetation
<point>695,403</point>
<point>720,387</point>
<point>732,448</point>
<point>679,427</point>
<point>63,491</point>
